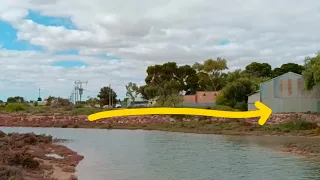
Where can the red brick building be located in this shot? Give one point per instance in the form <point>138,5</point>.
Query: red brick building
<point>201,97</point>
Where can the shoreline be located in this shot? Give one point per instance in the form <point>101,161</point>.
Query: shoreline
<point>233,127</point>
<point>26,156</point>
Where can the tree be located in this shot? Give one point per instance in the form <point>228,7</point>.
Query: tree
<point>173,100</point>
<point>143,93</point>
<point>11,100</point>
<point>92,101</point>
<point>259,69</point>
<point>16,99</point>
<point>288,67</point>
<point>210,74</point>
<point>311,74</point>
<point>105,94</point>
<point>60,102</point>
<point>132,91</point>
<point>49,100</point>
<point>235,75</point>
<point>167,79</point>
<point>236,93</point>
<point>39,99</point>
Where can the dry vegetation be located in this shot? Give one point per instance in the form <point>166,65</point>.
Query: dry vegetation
<point>22,157</point>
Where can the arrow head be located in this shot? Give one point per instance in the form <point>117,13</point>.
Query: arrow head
<point>264,112</point>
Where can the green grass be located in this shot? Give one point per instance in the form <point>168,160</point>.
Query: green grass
<point>48,110</point>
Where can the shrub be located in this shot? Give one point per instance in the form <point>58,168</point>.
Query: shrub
<point>85,111</point>
<point>295,125</point>
<point>223,108</point>
<point>10,173</point>
<point>242,106</point>
<point>79,106</point>
<point>15,107</point>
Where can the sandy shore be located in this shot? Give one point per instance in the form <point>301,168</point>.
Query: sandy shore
<point>29,156</point>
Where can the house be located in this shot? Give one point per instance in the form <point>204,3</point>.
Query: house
<point>201,99</point>
<point>287,93</point>
<point>138,102</point>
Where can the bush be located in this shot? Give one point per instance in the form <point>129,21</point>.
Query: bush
<point>223,108</point>
<point>79,105</point>
<point>10,173</point>
<point>85,111</point>
<point>15,107</point>
<point>296,125</point>
<point>242,106</point>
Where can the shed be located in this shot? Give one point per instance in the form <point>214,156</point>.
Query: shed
<point>287,93</point>
<point>252,98</point>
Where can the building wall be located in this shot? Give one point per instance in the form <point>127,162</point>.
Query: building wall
<point>198,105</point>
<point>207,96</point>
<point>286,93</point>
<point>189,98</point>
<point>252,99</point>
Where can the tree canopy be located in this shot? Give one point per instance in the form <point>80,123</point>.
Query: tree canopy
<point>105,94</point>
<point>311,73</point>
<point>259,69</point>
<point>288,67</point>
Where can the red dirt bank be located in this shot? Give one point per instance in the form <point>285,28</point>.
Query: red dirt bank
<point>57,120</point>
<point>24,157</point>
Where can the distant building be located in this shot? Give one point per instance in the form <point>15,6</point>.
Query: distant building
<point>138,102</point>
<point>287,93</point>
<point>201,99</point>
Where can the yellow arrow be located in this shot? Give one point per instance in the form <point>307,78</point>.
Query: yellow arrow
<point>263,112</point>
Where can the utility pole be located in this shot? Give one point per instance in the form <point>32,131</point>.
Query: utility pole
<point>39,98</point>
<point>79,89</point>
<point>109,95</point>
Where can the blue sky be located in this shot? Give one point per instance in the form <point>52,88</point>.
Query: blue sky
<point>69,64</point>
<point>50,21</point>
<point>224,42</point>
<point>9,41</point>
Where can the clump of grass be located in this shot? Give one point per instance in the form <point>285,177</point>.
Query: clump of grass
<point>85,111</point>
<point>291,126</point>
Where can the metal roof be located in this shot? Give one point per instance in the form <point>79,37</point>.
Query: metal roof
<point>295,74</point>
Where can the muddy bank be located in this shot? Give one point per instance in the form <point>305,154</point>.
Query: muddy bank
<point>35,157</point>
<point>58,120</point>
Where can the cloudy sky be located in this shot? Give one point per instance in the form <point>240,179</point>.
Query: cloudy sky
<point>48,44</point>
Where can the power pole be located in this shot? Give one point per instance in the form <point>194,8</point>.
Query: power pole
<point>39,98</point>
<point>75,92</point>
<point>109,95</point>
<point>79,89</point>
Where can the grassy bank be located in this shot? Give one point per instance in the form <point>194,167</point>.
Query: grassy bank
<point>236,127</point>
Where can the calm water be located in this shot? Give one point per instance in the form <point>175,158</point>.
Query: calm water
<point>151,155</point>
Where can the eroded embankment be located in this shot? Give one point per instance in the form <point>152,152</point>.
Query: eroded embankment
<point>27,157</point>
<point>58,120</point>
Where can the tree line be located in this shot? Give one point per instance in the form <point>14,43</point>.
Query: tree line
<point>165,81</point>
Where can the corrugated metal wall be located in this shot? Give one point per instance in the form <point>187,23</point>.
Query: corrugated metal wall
<point>252,99</point>
<point>286,93</point>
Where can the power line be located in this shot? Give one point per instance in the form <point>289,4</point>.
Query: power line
<point>78,89</point>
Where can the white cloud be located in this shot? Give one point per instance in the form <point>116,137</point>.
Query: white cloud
<point>147,32</point>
